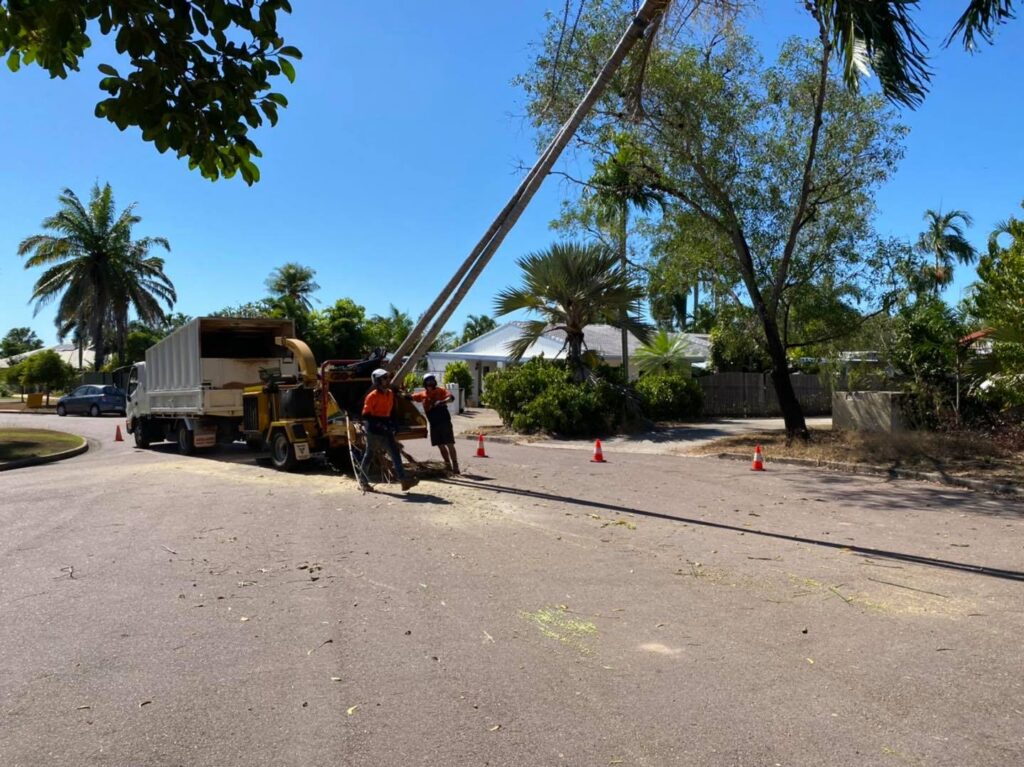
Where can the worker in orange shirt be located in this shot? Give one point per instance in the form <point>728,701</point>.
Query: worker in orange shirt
<point>378,415</point>
<point>435,405</point>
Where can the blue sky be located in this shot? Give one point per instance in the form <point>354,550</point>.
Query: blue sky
<point>402,140</point>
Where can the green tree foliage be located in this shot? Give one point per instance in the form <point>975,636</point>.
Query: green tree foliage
<point>337,331</point>
<point>46,370</point>
<point>736,344</point>
<point>387,331</point>
<point>925,342</point>
<point>570,286</point>
<point>194,77</point>
<point>136,343</point>
<point>998,299</point>
<point>458,373</point>
<point>476,325</point>
<point>669,396</point>
<point>19,340</point>
<point>95,268</point>
<point>780,161</point>
<point>543,395</point>
<point>944,241</point>
<point>294,284</point>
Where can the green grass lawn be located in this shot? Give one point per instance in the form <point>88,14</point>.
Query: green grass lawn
<point>16,444</point>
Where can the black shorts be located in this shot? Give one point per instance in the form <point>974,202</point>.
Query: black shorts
<point>441,431</point>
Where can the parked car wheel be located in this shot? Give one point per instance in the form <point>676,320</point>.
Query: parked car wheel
<point>61,410</point>
<point>186,441</point>
<point>282,454</point>
<point>94,411</point>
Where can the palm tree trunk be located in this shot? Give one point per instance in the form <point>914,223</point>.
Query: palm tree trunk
<point>623,259</point>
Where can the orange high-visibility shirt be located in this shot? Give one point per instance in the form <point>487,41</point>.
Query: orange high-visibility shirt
<point>431,397</point>
<point>379,403</point>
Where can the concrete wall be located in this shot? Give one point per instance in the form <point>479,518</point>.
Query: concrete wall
<point>868,411</point>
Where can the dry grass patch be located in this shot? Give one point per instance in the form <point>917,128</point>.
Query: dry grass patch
<point>960,454</point>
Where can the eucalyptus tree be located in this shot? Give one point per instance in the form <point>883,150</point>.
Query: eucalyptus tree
<point>569,286</point>
<point>944,240</point>
<point>779,161</point>
<point>93,268</point>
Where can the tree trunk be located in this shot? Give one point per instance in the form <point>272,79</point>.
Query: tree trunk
<point>696,300</point>
<point>792,410</point>
<point>624,216</point>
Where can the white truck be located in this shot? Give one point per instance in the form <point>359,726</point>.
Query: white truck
<point>189,389</point>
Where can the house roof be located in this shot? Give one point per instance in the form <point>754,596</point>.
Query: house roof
<point>67,352</point>
<point>606,340</point>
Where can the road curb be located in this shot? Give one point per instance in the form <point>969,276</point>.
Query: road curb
<point>979,485</point>
<point>22,463</point>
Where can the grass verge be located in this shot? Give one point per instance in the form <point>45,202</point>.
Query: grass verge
<point>17,444</point>
<point>959,455</point>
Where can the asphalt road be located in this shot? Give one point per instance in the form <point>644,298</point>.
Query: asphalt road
<point>545,610</point>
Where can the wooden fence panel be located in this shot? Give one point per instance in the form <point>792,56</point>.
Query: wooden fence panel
<point>752,394</point>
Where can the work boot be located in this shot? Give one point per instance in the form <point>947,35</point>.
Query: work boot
<point>408,482</point>
<point>455,468</point>
<point>365,486</point>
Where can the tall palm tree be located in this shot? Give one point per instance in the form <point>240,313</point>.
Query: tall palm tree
<point>89,260</point>
<point>476,325</point>
<point>617,189</point>
<point>142,287</point>
<point>295,282</point>
<point>944,240</point>
<point>570,286</point>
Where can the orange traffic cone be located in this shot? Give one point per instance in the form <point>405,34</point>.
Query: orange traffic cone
<point>117,434</point>
<point>598,455</point>
<point>480,452</point>
<point>758,464</point>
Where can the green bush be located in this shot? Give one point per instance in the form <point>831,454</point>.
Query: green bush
<point>458,372</point>
<point>540,395</point>
<point>669,396</point>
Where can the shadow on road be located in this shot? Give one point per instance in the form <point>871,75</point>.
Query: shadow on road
<point>1013,575</point>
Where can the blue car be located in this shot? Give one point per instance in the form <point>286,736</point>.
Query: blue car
<point>92,399</point>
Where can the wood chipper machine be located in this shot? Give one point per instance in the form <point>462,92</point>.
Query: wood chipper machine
<point>297,417</point>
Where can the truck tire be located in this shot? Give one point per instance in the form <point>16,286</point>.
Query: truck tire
<point>186,440</point>
<point>282,454</point>
<point>141,434</point>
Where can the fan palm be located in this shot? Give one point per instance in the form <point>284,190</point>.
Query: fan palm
<point>665,352</point>
<point>93,267</point>
<point>295,282</point>
<point>570,286</point>
<point>944,240</point>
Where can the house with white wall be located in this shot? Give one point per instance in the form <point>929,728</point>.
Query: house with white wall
<point>489,352</point>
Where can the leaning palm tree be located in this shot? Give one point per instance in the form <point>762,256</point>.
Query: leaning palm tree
<point>295,282</point>
<point>86,259</point>
<point>944,240</point>
<point>570,286</point>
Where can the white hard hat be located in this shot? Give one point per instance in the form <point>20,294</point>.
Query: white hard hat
<point>430,377</point>
<point>378,374</point>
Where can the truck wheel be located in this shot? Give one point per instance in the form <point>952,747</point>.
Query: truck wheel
<point>282,454</point>
<point>141,435</point>
<point>186,441</point>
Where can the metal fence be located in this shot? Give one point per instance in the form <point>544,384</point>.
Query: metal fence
<point>753,394</point>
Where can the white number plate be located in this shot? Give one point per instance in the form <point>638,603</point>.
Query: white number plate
<point>301,451</point>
